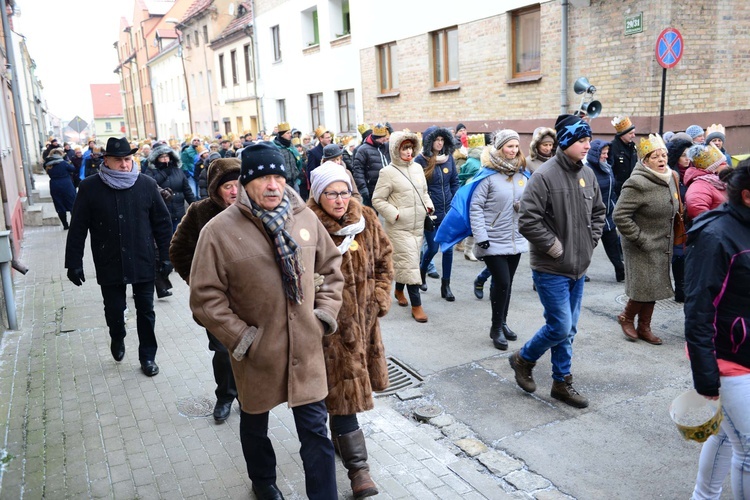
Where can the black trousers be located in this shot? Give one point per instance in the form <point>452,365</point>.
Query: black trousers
<point>226,389</point>
<point>611,243</point>
<point>502,268</point>
<point>114,313</point>
<point>413,291</point>
<point>343,424</point>
<point>316,450</point>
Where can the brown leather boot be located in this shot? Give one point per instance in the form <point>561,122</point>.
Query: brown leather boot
<point>523,370</point>
<point>627,317</point>
<point>418,314</point>
<point>644,324</point>
<point>401,298</point>
<point>354,454</point>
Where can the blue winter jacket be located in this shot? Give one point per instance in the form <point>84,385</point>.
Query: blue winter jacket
<point>443,183</point>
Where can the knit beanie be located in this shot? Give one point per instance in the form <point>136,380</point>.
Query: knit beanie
<point>460,126</point>
<point>231,175</point>
<point>259,159</point>
<point>694,131</point>
<point>715,135</point>
<point>329,172</point>
<point>503,136</point>
<point>675,148</point>
<point>570,129</point>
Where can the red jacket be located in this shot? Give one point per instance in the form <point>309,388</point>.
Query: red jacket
<point>705,191</point>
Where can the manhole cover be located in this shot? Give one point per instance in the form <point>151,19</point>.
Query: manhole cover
<point>425,413</point>
<point>195,407</point>
<point>400,376</point>
<point>661,305</point>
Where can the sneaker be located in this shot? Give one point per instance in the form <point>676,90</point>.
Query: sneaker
<point>565,392</point>
<point>434,275</point>
<point>478,289</point>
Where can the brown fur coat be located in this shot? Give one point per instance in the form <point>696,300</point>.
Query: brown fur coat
<point>355,356</point>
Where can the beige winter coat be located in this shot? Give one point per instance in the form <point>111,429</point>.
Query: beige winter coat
<point>236,292</point>
<point>396,199</point>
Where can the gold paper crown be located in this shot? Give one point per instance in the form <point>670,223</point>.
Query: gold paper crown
<point>650,145</point>
<point>379,130</point>
<point>283,126</point>
<point>320,131</point>
<point>296,141</point>
<point>476,141</point>
<point>716,128</point>
<point>346,140</point>
<point>709,158</point>
<point>362,128</point>
<point>621,123</point>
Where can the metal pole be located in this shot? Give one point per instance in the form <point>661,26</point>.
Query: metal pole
<point>262,117</point>
<point>663,93</point>
<point>564,59</point>
<point>10,54</point>
<point>10,301</point>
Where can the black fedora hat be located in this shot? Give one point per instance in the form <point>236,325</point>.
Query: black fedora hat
<point>119,148</point>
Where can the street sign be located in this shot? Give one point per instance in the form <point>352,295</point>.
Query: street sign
<point>634,24</point>
<point>78,124</point>
<point>669,48</point>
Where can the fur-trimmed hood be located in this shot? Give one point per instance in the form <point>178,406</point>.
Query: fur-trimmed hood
<point>216,170</point>
<point>429,135</point>
<point>395,143</point>
<point>539,134</point>
<point>160,150</point>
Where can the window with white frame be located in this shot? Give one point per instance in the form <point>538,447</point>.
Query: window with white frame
<point>221,71</point>
<point>249,68</point>
<point>310,35</point>
<point>233,59</point>
<point>281,110</point>
<point>338,11</point>
<point>347,113</point>
<point>276,39</point>
<point>316,110</point>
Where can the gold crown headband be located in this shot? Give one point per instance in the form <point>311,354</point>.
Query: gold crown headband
<point>650,145</point>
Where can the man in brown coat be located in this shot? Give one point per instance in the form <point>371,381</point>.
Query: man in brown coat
<point>222,192</point>
<point>252,286</point>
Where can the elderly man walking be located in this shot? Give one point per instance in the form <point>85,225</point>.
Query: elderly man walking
<point>125,214</point>
<point>252,284</point>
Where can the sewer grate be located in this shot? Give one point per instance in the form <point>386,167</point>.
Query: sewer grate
<point>195,407</point>
<point>661,305</point>
<point>400,376</point>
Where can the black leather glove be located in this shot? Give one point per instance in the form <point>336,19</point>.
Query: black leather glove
<point>484,244</point>
<point>166,268</point>
<point>76,276</point>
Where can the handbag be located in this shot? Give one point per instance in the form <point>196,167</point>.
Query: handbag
<point>680,233</point>
<point>429,220</point>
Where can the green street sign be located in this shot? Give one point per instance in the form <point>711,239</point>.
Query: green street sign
<point>634,24</point>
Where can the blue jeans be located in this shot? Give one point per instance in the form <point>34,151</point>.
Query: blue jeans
<point>561,297</point>
<point>432,250</point>
<point>713,467</point>
<point>735,393</point>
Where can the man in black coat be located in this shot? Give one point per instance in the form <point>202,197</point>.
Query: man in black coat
<point>622,154</point>
<point>369,158</point>
<point>125,214</point>
<point>315,155</point>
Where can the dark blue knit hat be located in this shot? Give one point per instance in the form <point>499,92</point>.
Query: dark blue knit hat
<point>570,129</point>
<point>259,159</point>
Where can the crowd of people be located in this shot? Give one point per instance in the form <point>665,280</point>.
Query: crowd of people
<point>325,225</point>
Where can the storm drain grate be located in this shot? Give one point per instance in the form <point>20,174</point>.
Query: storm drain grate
<point>195,407</point>
<point>661,305</point>
<point>400,377</point>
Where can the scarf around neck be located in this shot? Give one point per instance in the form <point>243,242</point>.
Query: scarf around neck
<point>501,164</point>
<point>288,254</point>
<point>349,233</point>
<point>117,179</point>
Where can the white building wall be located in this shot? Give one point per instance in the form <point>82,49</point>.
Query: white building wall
<point>170,95</point>
<point>304,70</point>
<point>236,101</point>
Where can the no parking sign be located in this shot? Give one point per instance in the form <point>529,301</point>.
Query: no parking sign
<point>669,48</point>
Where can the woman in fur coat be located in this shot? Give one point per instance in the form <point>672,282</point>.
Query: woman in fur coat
<point>355,357</point>
<point>644,215</point>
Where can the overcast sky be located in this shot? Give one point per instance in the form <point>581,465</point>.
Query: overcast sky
<point>71,43</point>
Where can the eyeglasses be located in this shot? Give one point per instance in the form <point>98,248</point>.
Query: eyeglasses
<point>332,195</point>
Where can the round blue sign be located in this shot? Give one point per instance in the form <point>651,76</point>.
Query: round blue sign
<point>669,48</point>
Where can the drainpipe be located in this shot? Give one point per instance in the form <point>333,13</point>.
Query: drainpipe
<point>256,61</point>
<point>564,59</point>
<point>10,54</point>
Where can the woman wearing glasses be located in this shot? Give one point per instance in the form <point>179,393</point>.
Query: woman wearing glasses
<point>644,215</point>
<point>355,357</point>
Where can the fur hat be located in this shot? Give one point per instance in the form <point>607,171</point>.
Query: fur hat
<point>622,125</point>
<point>56,153</point>
<point>503,136</point>
<point>706,157</point>
<point>260,159</point>
<point>570,129</point>
<point>675,148</point>
<point>694,131</point>
<point>329,172</point>
<point>647,146</point>
<point>715,132</point>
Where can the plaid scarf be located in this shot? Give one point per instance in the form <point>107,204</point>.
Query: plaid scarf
<point>503,165</point>
<point>287,251</point>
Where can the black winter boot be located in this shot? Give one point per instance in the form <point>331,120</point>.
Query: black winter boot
<point>423,275</point>
<point>498,338</point>
<point>445,290</point>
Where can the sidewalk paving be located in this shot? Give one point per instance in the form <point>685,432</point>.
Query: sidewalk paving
<point>78,424</point>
